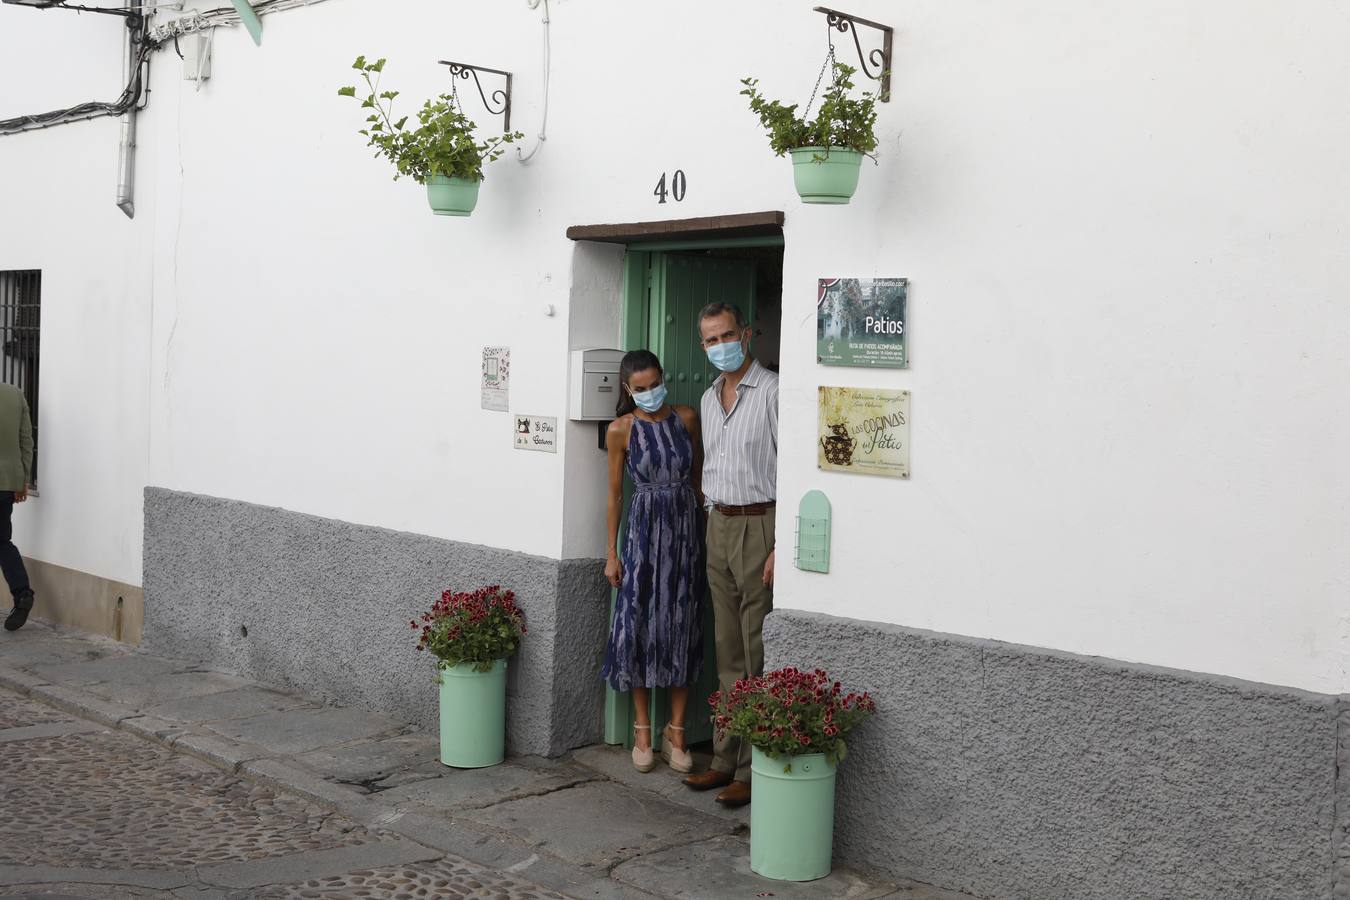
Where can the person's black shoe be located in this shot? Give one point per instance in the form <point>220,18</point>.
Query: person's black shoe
<point>19,615</point>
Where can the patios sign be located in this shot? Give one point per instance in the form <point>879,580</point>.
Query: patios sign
<point>861,322</point>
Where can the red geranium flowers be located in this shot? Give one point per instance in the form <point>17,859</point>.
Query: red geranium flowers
<point>475,628</point>
<point>790,712</point>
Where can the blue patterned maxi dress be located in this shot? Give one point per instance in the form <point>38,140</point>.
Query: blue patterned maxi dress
<point>656,639</point>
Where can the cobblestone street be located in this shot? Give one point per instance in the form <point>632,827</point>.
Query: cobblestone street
<point>134,775</point>
<point>88,811</point>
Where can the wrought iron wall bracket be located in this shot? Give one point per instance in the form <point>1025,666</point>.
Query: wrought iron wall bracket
<point>881,59</point>
<point>501,97</point>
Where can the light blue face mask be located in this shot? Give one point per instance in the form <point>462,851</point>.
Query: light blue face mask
<point>651,401</point>
<point>727,356</point>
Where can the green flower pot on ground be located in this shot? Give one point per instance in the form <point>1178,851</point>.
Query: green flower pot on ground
<point>792,816</point>
<point>831,179</point>
<point>453,196</point>
<point>473,716</point>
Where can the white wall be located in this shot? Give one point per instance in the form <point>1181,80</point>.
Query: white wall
<point>1124,227</point>
<point>595,321</point>
<point>57,215</point>
<point>1125,230</point>
<point>318,331</point>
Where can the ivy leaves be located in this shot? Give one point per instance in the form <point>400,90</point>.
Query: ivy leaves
<point>443,142</point>
<point>841,121</point>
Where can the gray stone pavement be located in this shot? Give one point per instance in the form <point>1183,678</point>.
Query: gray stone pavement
<point>128,775</point>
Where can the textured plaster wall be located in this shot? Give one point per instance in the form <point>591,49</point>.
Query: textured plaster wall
<point>1017,773</point>
<point>1342,835</point>
<point>580,629</point>
<point>326,605</point>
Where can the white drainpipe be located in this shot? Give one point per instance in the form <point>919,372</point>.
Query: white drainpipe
<point>126,152</point>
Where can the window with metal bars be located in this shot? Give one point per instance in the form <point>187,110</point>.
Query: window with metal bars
<point>20,318</point>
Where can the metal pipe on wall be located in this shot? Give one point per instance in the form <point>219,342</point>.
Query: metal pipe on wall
<point>126,150</point>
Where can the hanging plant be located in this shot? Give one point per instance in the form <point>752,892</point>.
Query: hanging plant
<point>442,152</point>
<point>826,151</point>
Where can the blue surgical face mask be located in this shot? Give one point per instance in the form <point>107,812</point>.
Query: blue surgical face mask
<point>650,401</point>
<point>728,356</point>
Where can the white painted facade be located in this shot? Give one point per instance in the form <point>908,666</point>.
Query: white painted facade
<point>1124,226</point>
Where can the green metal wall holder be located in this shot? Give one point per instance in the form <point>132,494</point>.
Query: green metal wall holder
<point>813,532</point>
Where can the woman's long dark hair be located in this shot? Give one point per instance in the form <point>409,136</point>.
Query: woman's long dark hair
<point>633,361</point>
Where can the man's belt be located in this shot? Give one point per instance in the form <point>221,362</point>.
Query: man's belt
<point>750,509</point>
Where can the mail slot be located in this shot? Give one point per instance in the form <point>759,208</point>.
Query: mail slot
<point>595,385</point>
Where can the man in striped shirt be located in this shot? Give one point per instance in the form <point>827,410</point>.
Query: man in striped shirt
<point>740,475</point>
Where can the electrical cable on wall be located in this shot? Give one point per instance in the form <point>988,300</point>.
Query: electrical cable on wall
<point>214,18</point>
<point>543,124</point>
<point>133,93</point>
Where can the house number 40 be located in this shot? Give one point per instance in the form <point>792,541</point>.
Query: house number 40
<point>676,187</point>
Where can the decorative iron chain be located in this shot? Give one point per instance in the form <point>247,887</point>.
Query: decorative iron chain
<point>829,58</point>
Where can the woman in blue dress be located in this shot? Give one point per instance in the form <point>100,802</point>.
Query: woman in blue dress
<point>656,638</point>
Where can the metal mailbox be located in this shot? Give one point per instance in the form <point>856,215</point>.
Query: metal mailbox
<point>594,380</point>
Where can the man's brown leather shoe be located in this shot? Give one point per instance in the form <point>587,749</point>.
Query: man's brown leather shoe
<point>706,781</point>
<point>736,794</point>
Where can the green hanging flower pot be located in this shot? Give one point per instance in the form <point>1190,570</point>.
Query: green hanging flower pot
<point>454,196</point>
<point>826,174</point>
<point>827,150</point>
<point>442,150</point>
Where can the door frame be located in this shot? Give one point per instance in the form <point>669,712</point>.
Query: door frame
<point>634,334</point>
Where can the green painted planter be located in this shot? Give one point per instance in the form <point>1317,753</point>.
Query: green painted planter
<point>452,196</point>
<point>833,180</point>
<point>473,716</point>
<point>792,817</point>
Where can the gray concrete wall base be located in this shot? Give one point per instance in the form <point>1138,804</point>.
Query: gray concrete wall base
<point>1016,772</point>
<point>1342,837</point>
<point>580,630</point>
<point>323,606</point>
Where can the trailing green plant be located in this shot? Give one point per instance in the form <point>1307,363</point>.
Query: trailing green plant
<point>442,144</point>
<point>841,120</point>
<point>476,628</point>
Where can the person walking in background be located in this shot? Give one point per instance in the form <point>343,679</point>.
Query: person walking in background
<point>740,480</point>
<point>16,469</point>
<point>656,637</point>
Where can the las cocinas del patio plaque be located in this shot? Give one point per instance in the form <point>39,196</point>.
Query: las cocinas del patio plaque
<point>864,430</point>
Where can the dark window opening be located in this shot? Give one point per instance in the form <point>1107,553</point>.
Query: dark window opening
<point>20,318</point>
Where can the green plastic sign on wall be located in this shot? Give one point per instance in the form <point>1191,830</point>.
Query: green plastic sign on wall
<point>813,532</point>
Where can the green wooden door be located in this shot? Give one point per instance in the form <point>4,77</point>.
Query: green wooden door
<point>681,286</point>
<point>664,293</point>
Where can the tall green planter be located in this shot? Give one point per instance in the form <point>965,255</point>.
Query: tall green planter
<point>473,716</point>
<point>792,816</point>
<point>832,179</point>
<point>452,196</point>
